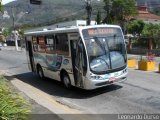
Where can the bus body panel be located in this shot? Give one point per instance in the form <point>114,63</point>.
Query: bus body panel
<point>53,63</point>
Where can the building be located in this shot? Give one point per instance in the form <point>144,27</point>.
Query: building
<point>146,16</point>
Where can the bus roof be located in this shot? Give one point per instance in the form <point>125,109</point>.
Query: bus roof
<point>67,29</point>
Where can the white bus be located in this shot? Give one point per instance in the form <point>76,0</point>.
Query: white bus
<point>87,57</point>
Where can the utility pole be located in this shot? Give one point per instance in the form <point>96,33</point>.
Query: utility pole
<point>89,10</point>
<point>14,32</point>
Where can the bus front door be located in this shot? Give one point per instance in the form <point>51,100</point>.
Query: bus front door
<point>77,62</point>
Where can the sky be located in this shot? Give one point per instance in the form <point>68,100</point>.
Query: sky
<point>6,1</point>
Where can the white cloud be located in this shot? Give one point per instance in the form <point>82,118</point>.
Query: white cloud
<point>6,1</point>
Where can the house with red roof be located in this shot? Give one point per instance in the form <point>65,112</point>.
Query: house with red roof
<point>146,16</point>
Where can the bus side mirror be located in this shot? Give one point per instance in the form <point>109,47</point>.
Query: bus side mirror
<point>36,2</point>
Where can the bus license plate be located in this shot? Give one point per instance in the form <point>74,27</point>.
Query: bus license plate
<point>112,79</point>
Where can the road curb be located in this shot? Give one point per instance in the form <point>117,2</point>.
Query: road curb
<point>45,100</point>
<point>60,111</point>
<point>35,93</point>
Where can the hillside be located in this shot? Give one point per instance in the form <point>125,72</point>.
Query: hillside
<point>52,11</point>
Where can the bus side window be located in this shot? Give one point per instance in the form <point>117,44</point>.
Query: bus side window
<point>62,44</point>
<point>41,44</point>
<point>35,43</point>
<point>50,44</point>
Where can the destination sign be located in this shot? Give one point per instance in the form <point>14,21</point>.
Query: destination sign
<point>100,31</point>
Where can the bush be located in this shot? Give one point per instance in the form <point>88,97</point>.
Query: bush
<point>12,105</point>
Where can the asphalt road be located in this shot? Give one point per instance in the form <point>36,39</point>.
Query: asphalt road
<point>14,63</point>
<point>139,94</point>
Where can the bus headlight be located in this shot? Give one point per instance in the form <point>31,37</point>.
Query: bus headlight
<point>124,71</point>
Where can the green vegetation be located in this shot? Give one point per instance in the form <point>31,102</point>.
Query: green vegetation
<point>0,5</point>
<point>12,105</point>
<point>152,32</point>
<point>6,32</point>
<point>98,17</point>
<point>117,11</point>
<point>144,33</point>
<point>54,11</point>
<point>50,12</point>
<point>135,27</point>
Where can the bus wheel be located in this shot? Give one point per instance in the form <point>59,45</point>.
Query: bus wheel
<point>66,81</point>
<point>40,72</point>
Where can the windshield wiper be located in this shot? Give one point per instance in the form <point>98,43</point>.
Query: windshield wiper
<point>99,43</point>
<point>104,49</point>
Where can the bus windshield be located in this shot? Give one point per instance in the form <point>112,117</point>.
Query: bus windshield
<point>106,49</point>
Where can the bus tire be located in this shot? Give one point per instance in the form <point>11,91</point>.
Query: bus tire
<point>66,81</point>
<point>40,72</point>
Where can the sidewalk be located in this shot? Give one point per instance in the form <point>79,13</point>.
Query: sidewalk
<point>12,48</point>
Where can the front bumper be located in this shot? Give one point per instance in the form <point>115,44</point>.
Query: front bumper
<point>93,84</point>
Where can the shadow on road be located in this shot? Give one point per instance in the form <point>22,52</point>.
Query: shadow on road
<point>55,88</point>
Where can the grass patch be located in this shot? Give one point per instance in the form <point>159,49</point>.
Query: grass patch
<point>12,105</point>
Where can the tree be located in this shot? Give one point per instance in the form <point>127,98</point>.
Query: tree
<point>119,11</point>
<point>6,32</point>
<point>135,27</point>
<point>98,17</point>
<point>0,5</point>
<point>108,8</point>
<point>152,32</point>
